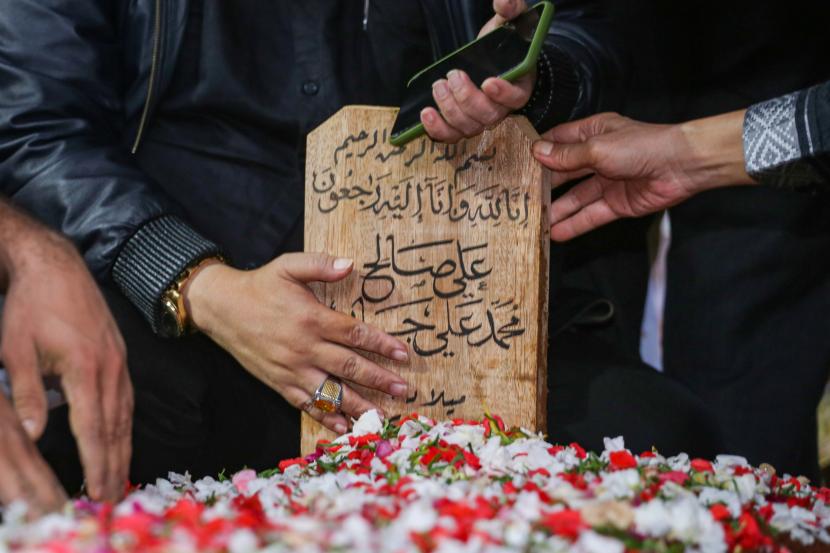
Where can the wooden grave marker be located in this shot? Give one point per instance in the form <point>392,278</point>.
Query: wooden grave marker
<point>451,246</point>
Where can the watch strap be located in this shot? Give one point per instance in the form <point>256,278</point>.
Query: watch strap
<point>175,292</point>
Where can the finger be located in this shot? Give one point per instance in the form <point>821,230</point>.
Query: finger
<point>349,365</point>
<point>565,157</point>
<point>512,96</point>
<point>28,395</point>
<point>437,128</point>
<point>575,199</point>
<point>302,400</point>
<point>28,478</point>
<point>126,449</point>
<point>558,178</point>
<point>505,11</point>
<point>86,420</point>
<point>509,9</point>
<point>116,405</point>
<point>44,490</point>
<point>590,217</point>
<point>494,23</point>
<point>474,103</point>
<point>11,483</point>
<point>353,404</point>
<point>315,267</point>
<point>452,112</point>
<point>342,329</point>
<point>23,473</point>
<point>583,129</point>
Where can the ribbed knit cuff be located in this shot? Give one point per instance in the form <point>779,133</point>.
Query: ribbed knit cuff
<point>774,153</point>
<point>152,259</point>
<point>556,91</point>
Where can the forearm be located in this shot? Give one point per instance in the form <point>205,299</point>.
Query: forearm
<point>712,153</point>
<point>783,142</point>
<point>8,232</point>
<point>20,238</point>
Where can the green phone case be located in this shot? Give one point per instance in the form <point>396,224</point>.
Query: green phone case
<point>511,75</point>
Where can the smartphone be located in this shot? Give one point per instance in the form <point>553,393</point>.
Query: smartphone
<point>509,52</point>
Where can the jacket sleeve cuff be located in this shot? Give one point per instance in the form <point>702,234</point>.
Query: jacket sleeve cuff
<point>777,143</point>
<point>152,259</point>
<point>555,92</point>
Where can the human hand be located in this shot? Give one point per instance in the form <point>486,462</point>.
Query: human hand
<point>635,168</point>
<point>24,475</point>
<point>272,323</point>
<point>465,109</point>
<point>56,323</point>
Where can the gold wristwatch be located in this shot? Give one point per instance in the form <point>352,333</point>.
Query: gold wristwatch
<point>174,320</point>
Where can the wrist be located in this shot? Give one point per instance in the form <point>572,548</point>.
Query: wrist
<point>713,153</point>
<point>203,290</point>
<point>16,244</point>
<point>36,249</point>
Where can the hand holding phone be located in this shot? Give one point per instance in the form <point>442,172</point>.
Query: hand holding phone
<point>501,62</point>
<point>465,110</point>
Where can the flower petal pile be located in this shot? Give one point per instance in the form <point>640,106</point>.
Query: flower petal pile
<point>421,486</point>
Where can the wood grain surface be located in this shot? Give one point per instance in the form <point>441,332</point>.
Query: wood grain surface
<point>451,247</point>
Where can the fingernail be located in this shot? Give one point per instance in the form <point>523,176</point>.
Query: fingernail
<point>95,491</point>
<point>342,263</point>
<point>400,355</point>
<point>455,79</point>
<point>440,89</point>
<point>543,147</point>
<point>30,426</point>
<point>490,86</point>
<point>426,115</point>
<point>398,389</point>
<point>340,428</point>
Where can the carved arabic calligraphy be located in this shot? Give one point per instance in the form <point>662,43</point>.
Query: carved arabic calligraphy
<point>414,195</point>
<point>448,310</point>
<point>440,399</point>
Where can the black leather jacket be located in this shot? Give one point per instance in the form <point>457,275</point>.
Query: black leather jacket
<point>79,82</point>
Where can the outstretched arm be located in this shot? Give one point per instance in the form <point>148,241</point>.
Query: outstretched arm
<point>632,169</point>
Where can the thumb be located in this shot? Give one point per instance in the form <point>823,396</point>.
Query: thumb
<point>505,11</point>
<point>495,22</point>
<point>28,395</point>
<point>581,130</point>
<point>315,267</point>
<point>564,157</point>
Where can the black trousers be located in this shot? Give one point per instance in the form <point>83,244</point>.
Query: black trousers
<point>198,410</point>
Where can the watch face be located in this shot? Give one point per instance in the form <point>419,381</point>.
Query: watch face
<point>169,327</point>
